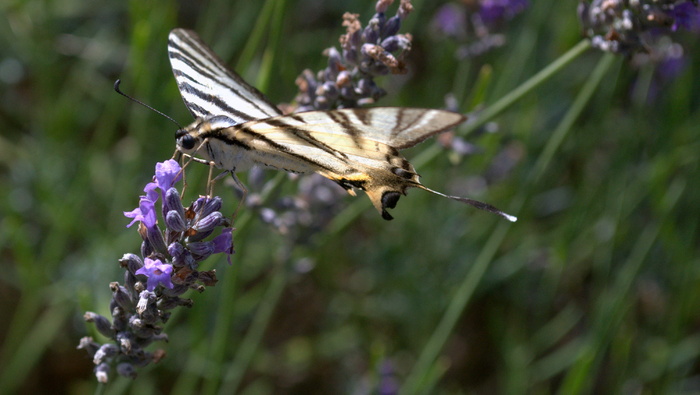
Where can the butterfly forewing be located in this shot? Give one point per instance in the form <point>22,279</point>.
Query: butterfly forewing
<point>208,87</point>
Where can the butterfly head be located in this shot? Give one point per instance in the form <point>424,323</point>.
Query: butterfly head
<point>186,141</point>
<point>190,139</point>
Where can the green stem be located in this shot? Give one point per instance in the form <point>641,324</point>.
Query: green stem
<point>574,112</point>
<point>418,379</point>
<point>252,339</point>
<point>492,111</point>
<point>253,43</point>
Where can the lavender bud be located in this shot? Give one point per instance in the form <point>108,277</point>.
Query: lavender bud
<point>175,221</point>
<point>176,290</point>
<point>126,370</point>
<point>368,50</point>
<point>121,296</point>
<point>146,248</point>
<point>404,9</point>
<point>131,262</point>
<point>142,329</point>
<point>196,206</point>
<point>145,299</point>
<point>208,278</point>
<point>106,351</point>
<point>125,340</point>
<point>371,32</point>
<point>155,237</point>
<point>350,56</point>
<point>102,373</point>
<point>148,357</point>
<point>391,27</point>
<point>201,250</point>
<point>173,202</point>
<point>365,87</point>
<point>355,39</point>
<point>209,222</point>
<point>211,205</point>
<point>168,303</point>
<point>334,64</point>
<point>119,319</point>
<point>175,250</point>
<point>199,236</point>
<point>130,281</point>
<point>344,79</point>
<point>89,345</point>
<point>175,302</point>
<point>330,90</point>
<point>101,323</point>
<point>395,43</point>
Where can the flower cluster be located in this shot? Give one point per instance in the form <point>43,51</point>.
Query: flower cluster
<point>153,285</point>
<point>633,26</point>
<point>348,81</point>
<point>477,24</point>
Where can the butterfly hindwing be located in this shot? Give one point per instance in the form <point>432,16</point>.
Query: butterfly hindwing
<point>337,145</point>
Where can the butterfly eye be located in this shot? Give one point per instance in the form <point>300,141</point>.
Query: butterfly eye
<point>186,142</point>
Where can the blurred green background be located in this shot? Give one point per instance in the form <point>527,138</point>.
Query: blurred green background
<point>594,290</point>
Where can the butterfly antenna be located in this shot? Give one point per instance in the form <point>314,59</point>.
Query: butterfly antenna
<point>475,203</point>
<point>116,89</point>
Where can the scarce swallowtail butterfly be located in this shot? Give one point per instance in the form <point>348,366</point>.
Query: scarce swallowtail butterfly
<point>358,148</point>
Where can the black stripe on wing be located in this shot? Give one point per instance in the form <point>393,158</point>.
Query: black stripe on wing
<point>207,87</point>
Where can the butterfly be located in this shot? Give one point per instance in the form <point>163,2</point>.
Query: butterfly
<point>237,127</point>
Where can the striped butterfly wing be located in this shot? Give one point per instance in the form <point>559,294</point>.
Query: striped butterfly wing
<point>356,148</point>
<point>207,87</point>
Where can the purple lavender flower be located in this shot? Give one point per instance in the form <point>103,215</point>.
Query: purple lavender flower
<point>478,25</point>
<point>450,20</point>
<point>366,53</point>
<point>170,267</point>
<point>495,11</point>
<point>631,27</point>
<point>157,273</point>
<point>144,213</point>
<point>686,15</point>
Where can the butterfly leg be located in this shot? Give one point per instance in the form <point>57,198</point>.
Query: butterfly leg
<point>243,189</point>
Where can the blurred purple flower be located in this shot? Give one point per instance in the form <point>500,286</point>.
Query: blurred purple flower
<point>630,28</point>
<point>450,19</point>
<point>685,15</point>
<point>157,272</point>
<point>494,11</point>
<point>478,25</point>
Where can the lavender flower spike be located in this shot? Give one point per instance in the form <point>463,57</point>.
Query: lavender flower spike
<point>630,27</point>
<point>153,285</point>
<point>368,52</point>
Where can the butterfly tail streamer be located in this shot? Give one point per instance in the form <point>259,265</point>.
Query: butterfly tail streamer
<point>474,203</point>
